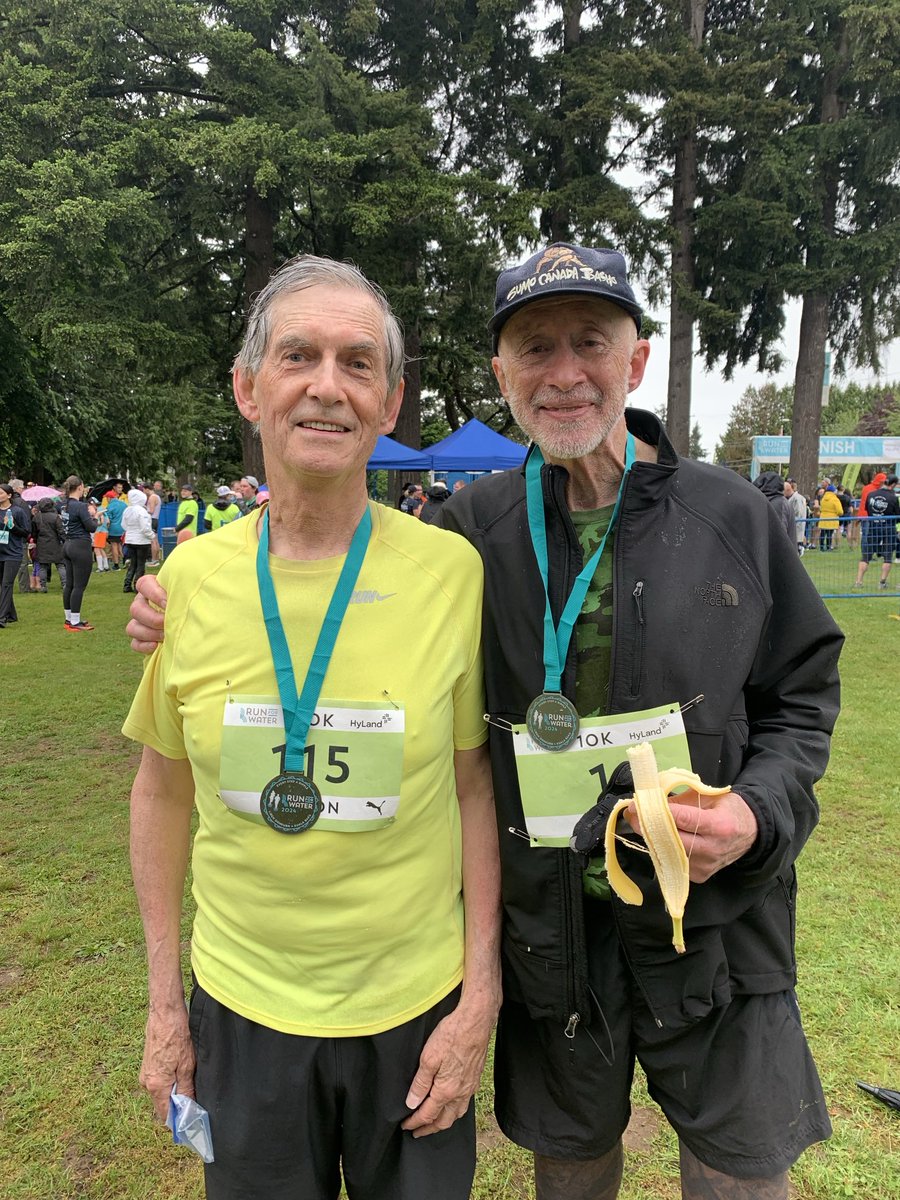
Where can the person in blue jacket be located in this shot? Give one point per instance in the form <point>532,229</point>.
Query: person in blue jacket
<point>115,508</point>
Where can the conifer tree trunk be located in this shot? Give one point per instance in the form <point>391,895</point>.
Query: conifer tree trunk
<point>810,372</point>
<point>408,429</point>
<point>681,321</point>
<point>556,223</point>
<point>808,379</point>
<point>259,263</point>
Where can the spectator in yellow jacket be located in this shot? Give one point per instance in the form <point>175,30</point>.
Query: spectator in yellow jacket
<point>830,510</point>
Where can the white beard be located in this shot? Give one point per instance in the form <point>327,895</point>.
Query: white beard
<point>579,440</point>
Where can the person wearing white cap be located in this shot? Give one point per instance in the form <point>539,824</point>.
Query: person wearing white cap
<point>138,531</point>
<point>434,498</point>
<point>222,510</point>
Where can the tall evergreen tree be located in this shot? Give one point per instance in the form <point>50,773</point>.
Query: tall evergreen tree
<point>762,410</point>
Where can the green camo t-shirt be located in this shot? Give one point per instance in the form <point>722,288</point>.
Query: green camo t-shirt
<point>593,629</point>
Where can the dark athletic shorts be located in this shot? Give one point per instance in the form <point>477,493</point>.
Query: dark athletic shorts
<point>289,1113</point>
<point>878,541</point>
<point>739,1087</point>
<point>115,537</point>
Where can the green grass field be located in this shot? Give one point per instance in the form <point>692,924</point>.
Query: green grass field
<point>73,1121</point>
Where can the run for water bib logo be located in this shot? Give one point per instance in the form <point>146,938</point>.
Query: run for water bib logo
<point>259,714</point>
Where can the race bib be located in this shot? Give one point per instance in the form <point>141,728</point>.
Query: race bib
<point>558,787</point>
<point>354,755</point>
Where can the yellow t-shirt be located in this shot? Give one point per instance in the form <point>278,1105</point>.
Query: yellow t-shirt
<point>188,508</point>
<point>324,933</point>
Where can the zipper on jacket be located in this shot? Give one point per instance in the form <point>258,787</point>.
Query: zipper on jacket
<point>638,659</point>
<point>659,1024</point>
<point>570,947</point>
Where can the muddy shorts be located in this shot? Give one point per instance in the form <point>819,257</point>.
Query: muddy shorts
<point>739,1087</point>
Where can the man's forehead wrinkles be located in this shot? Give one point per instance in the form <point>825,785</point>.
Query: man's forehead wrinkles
<point>573,313</point>
<point>291,339</point>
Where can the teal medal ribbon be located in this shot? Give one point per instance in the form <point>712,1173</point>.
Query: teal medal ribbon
<point>552,719</point>
<point>291,802</point>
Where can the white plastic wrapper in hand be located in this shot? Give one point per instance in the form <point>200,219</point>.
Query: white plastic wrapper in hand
<point>189,1123</point>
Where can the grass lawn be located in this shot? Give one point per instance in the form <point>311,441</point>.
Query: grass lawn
<point>73,1122</point>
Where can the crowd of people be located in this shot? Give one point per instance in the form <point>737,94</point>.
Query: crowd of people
<point>78,530</point>
<point>868,521</point>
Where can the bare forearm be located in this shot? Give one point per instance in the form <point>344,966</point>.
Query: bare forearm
<point>161,803</point>
<point>481,887</point>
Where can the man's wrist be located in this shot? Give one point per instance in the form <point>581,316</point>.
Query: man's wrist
<point>481,1002</point>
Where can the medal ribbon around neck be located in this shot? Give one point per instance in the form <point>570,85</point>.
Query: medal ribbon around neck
<point>299,711</point>
<point>557,639</point>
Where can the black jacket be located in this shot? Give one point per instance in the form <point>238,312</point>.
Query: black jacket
<point>13,521</point>
<point>771,485</point>
<point>709,597</point>
<point>431,509</point>
<point>47,528</point>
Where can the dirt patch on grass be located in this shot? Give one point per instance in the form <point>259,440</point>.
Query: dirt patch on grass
<point>488,1138</point>
<point>113,746</point>
<point>82,1165</point>
<point>10,977</point>
<point>642,1129</point>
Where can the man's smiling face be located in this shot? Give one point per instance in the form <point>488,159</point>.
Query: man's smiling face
<point>565,367</point>
<point>321,395</point>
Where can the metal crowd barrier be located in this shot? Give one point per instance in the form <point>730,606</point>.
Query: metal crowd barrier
<point>832,556</point>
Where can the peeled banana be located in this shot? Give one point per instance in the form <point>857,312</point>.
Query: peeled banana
<point>651,799</point>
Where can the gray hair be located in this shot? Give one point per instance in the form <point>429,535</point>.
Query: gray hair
<point>305,271</point>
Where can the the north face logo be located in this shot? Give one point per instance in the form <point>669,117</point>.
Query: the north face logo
<point>719,595</point>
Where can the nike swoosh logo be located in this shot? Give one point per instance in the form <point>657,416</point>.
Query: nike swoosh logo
<point>370,597</point>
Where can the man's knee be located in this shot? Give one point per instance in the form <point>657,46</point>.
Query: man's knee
<point>700,1182</point>
<point>579,1179</point>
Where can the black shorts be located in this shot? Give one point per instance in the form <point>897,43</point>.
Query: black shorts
<point>739,1087</point>
<point>288,1114</point>
<point>115,537</point>
<point>154,523</point>
<point>878,542</point>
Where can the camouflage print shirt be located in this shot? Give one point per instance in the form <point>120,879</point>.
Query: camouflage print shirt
<point>593,630</point>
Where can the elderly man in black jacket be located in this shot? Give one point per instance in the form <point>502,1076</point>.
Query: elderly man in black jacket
<point>682,603</point>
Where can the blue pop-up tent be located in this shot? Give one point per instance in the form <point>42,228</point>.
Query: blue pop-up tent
<point>389,455</point>
<point>476,447</point>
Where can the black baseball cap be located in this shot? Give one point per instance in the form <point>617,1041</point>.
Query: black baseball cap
<point>564,269</point>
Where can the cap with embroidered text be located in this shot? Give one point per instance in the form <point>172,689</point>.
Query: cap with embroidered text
<point>563,269</point>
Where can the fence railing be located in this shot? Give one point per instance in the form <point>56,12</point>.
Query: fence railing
<point>832,556</point>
